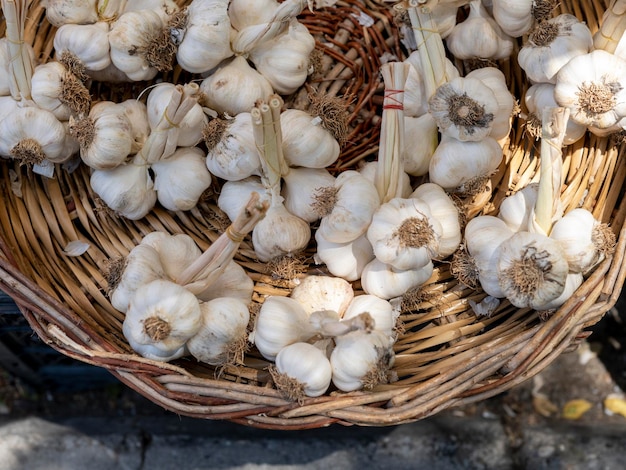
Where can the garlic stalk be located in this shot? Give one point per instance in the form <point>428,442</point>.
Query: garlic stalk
<point>610,36</point>
<point>21,65</point>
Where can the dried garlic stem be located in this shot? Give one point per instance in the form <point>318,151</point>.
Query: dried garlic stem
<point>210,265</point>
<point>20,67</point>
<point>389,166</point>
<point>612,27</point>
<point>554,123</point>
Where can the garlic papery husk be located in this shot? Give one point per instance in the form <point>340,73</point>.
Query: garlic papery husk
<point>162,315</point>
<point>234,194</point>
<point>31,134</point>
<point>444,210</point>
<point>361,360</point>
<point>539,97</point>
<point>141,266</point>
<point>551,45</point>
<point>189,129</point>
<point>464,108</point>
<point>280,233</point>
<point>5,58</point>
<point>301,188</point>
<point>165,8</point>
<point>181,178</point>
<point>306,140</point>
<point>104,135</point>
<point>301,370</point>
<point>404,234</point>
<point>234,282</point>
<point>323,293</point>
<point>572,282</point>
<point>517,17</point>
<point>381,311</point>
<point>345,260</point>
<point>176,251</point>
<point>235,88</point>
<point>60,12</point>
<point>222,337</point>
<point>231,150</point>
<point>137,114</point>
<point>479,36</point>
<point>244,13</point>
<point>88,43</point>
<point>496,81</point>
<point>584,240</point>
<point>281,321</point>
<point>591,86</point>
<point>284,60</point>
<point>384,281</point>
<point>422,129</point>
<point>517,208</point>
<point>610,34</point>
<point>59,91</point>
<point>455,163</point>
<point>351,204</point>
<point>532,269</point>
<point>368,169</point>
<point>127,189</point>
<point>204,37</point>
<point>483,236</point>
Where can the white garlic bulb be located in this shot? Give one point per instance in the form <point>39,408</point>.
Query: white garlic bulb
<point>517,208</point>
<point>381,311</point>
<point>176,251</point>
<point>516,17</point>
<point>302,370</point>
<point>137,114</point>
<point>384,281</point>
<point>160,319</point>
<point>280,233</point>
<point>317,293</point>
<point>221,339</point>
<point>57,90</point>
<point>89,43</point>
<point>244,13</point>
<point>234,282</point>
<point>181,178</point>
<point>345,260</point>
<point>60,12</point>
<point>301,187</point>
<point>361,360</point>
<point>234,194</point>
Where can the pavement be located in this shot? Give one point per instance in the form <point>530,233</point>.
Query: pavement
<point>532,426</point>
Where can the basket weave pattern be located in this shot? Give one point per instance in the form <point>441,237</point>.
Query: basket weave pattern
<point>446,355</point>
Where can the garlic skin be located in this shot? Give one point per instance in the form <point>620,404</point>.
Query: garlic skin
<point>280,233</point>
<point>231,150</point>
<point>584,240</point>
<point>137,114</point>
<point>161,316</point>
<point>456,163</point>
<point>592,87</point>
<point>404,234</point>
<point>302,369</point>
<point>234,194</point>
<point>345,260</point>
<point>515,17</point>
<point>423,129</point>
<point>516,209</point>
<point>361,360</point>
<point>204,41</point>
<point>47,85</point>
<point>317,293</point>
<point>572,282</point>
<point>221,338</point>
<point>306,142</point>
<point>176,251</point>
<point>356,199</point>
<point>5,89</point>
<point>141,266</point>
<point>381,311</point>
<point>88,42</point>
<point>532,269</point>
<point>244,13</point>
<point>127,189</point>
<point>551,45</point>
<point>60,12</point>
<point>386,282</point>
<point>234,282</point>
<point>369,170</point>
<point>235,88</point>
<point>464,108</point>
<point>301,187</point>
<point>165,8</point>
<point>281,321</point>
<point>181,178</point>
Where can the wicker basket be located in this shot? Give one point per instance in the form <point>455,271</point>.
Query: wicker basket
<point>446,355</point>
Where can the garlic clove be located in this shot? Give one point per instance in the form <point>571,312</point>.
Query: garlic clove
<point>234,194</point>
<point>345,260</point>
<point>386,282</point>
<point>302,187</point>
<point>60,12</point>
<point>244,13</point>
<point>137,114</point>
<point>517,208</point>
<point>89,43</point>
<point>317,293</point>
<point>302,370</point>
<point>280,233</point>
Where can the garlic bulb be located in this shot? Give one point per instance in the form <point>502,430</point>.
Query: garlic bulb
<point>284,59</point>
<point>591,86</point>
<point>351,204</point>
<point>160,319</point>
<point>281,321</point>
<point>104,135</point>
<point>532,269</point>
<point>60,12</point>
<point>231,149</point>
<point>244,13</point>
<point>127,189</point>
<point>302,370</point>
<point>89,43</point>
<point>176,251</point>
<point>31,134</point>
<point>479,36</point>
<point>517,17</point>
<point>361,360</point>
<point>301,189</point>
<point>222,337</point>
<point>306,142</point>
<point>280,233</point>
<point>137,114</point>
<point>456,163</point>
<point>345,260</point>
<point>384,281</point>
<point>317,293</point>
<point>572,282</point>
<point>381,311</point>
<point>235,88</point>
<point>551,45</point>
<point>234,282</point>
<point>181,178</point>
<point>165,8</point>
<point>204,37</point>
<point>464,108</point>
<point>517,208</point>
<point>57,90</point>
<point>584,240</point>
<point>234,195</point>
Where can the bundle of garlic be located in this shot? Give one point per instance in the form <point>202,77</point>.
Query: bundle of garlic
<point>178,300</point>
<point>323,334</point>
